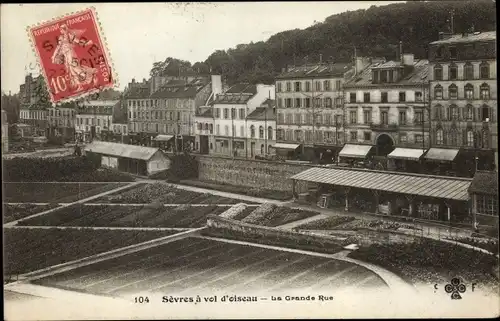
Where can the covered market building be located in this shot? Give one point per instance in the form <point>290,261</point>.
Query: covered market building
<point>133,159</point>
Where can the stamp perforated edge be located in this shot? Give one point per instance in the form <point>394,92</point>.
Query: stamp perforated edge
<point>104,41</point>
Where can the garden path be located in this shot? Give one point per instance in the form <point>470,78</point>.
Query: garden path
<point>123,228</point>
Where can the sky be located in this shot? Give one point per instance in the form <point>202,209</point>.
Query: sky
<point>139,34</point>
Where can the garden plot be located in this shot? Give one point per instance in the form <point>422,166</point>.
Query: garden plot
<point>151,215</point>
<point>272,215</point>
<point>194,266</point>
<point>53,192</point>
<point>29,250</point>
<point>351,223</point>
<point>19,211</point>
<point>163,193</point>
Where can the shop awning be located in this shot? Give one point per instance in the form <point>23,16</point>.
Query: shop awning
<point>441,154</point>
<point>355,151</point>
<point>163,138</point>
<point>286,146</point>
<point>406,153</point>
<point>453,188</point>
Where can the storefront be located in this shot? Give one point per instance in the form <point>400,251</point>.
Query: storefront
<point>164,142</point>
<point>355,155</point>
<point>287,151</point>
<point>405,159</point>
<point>440,161</point>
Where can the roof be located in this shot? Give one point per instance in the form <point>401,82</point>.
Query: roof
<point>99,103</point>
<point>184,91</point>
<point>317,70</point>
<point>441,154</point>
<point>406,153</point>
<point>484,182</point>
<point>262,113</point>
<point>470,37</point>
<point>138,92</point>
<point>423,185</point>
<point>207,113</point>
<point>269,103</point>
<point>242,88</point>
<point>121,150</point>
<point>416,77</point>
<point>355,151</point>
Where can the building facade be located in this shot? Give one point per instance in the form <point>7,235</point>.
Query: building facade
<point>31,113</point>
<point>62,121</point>
<point>386,106</point>
<point>5,132</point>
<point>95,119</point>
<point>261,129</point>
<point>309,101</point>
<point>463,90</point>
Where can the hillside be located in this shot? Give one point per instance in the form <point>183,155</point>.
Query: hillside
<point>374,32</point>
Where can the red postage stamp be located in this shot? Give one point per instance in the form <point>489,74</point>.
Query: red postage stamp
<point>73,56</point>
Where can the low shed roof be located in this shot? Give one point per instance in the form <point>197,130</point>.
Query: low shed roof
<point>121,150</point>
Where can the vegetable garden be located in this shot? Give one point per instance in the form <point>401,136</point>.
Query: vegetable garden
<point>269,214</point>
<point>18,211</point>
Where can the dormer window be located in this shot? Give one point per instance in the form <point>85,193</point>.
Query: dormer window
<point>453,53</point>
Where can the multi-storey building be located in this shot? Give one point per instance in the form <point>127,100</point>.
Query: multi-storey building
<point>32,113</point>
<point>463,90</point>
<point>261,129</point>
<point>230,110</point>
<point>61,121</point>
<point>385,107</point>
<point>120,123</point>
<point>94,118</point>
<point>309,107</point>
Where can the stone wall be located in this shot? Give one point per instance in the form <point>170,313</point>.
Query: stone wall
<point>251,173</point>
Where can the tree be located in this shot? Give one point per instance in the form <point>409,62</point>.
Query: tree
<point>11,104</point>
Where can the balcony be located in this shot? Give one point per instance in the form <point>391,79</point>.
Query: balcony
<point>384,127</point>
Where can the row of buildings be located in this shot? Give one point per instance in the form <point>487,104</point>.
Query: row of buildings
<point>369,112</point>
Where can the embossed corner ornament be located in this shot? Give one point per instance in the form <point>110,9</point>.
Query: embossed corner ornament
<point>73,56</point>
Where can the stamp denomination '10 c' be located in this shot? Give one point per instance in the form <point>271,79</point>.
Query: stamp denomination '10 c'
<point>72,55</point>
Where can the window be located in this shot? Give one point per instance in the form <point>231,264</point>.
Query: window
<point>438,92</point>
<point>318,102</point>
<point>453,113</point>
<point>367,136</point>
<point>353,117</point>
<point>261,132</point>
<point>279,87</point>
<point>288,86</point>
<point>280,119</point>
<point>308,86</point>
<point>226,113</point>
<point>383,76</point>
<point>469,91</point>
<point>298,86</point>
<point>288,102</point>
<point>307,102</point>
<point>384,97</point>
<point>200,126</point>
<point>298,102</point>
<point>485,92</point>
<point>439,52</point>
<point>367,116</point>
<point>269,133</point>
<point>338,120</point>
<point>470,138</point>
<point>402,117</point>
<point>453,133</point>
<point>242,113</point>
<point>338,84</point>
<point>318,120</point>
<point>298,118</point>
<point>439,137</point>
<point>419,138</point>
<point>318,86</point>
<point>453,91</point>
<point>468,71</point>
<point>217,112</point>
<point>366,97</point>
<point>217,129</point>
<point>403,138</point>
<point>252,131</point>
<point>485,113</point>
<point>469,112</point>
<point>418,96</point>
<point>453,53</point>
<point>384,118</point>
<point>328,119</point>
<point>289,118</point>
<point>280,134</point>
<point>298,135</point>
<point>486,204</point>
<point>402,96</point>
<point>453,72</point>
<point>484,70</point>
<point>280,102</point>
<point>419,117</point>
<point>226,130</point>
<point>326,85</point>
<point>233,113</point>
<point>328,102</point>
<point>438,72</point>
<point>354,136</point>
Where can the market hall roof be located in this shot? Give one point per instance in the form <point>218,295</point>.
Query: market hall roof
<point>417,76</point>
<point>484,182</point>
<point>322,70</point>
<point>453,188</point>
<point>121,150</point>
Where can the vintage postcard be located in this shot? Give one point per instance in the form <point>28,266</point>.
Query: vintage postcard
<point>255,160</point>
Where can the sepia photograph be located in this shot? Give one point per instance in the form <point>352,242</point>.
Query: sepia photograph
<point>243,160</point>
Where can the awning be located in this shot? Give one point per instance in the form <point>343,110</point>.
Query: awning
<point>355,151</point>
<point>406,153</point>
<point>286,146</point>
<point>163,138</point>
<point>454,188</point>
<point>441,154</point>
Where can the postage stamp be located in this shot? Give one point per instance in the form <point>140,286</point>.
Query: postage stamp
<point>73,56</point>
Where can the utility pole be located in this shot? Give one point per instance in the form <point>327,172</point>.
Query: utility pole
<point>233,111</point>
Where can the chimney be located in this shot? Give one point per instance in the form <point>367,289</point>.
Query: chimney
<point>408,59</point>
<point>216,84</point>
<point>283,69</point>
<point>400,56</point>
<point>320,58</point>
